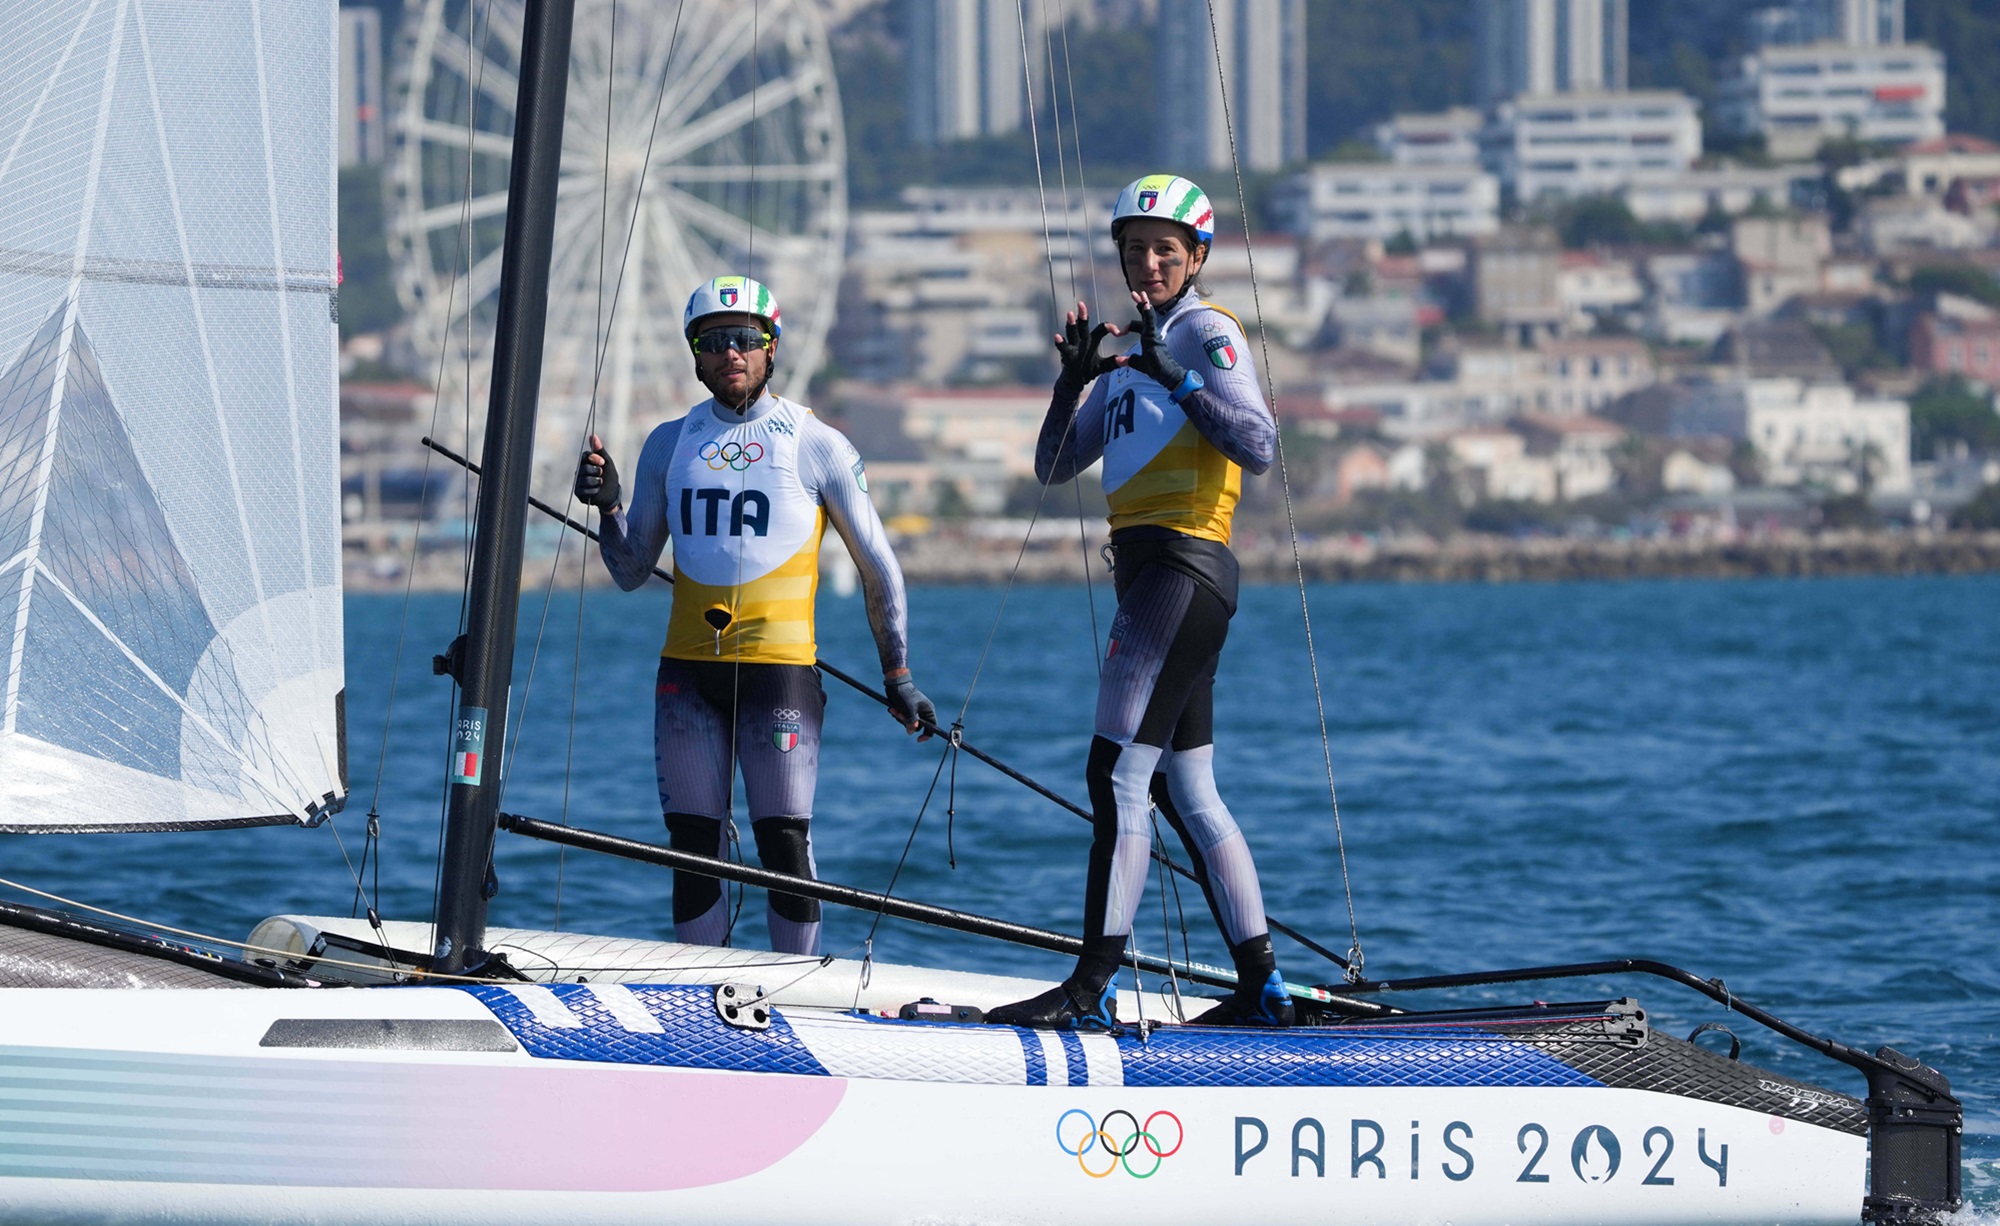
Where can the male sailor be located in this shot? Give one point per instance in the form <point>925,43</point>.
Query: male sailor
<point>744,486</point>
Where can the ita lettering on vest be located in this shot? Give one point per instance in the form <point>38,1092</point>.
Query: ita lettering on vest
<point>746,535</point>
<point>1158,469</point>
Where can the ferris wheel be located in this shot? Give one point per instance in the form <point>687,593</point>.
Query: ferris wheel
<point>702,137</point>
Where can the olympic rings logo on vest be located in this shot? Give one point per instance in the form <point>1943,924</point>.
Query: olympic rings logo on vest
<point>731,455</point>
<point>1118,1141</point>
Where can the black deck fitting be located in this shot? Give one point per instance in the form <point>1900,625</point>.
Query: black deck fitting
<point>1915,1126</point>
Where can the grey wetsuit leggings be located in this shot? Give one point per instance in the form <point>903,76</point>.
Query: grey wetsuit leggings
<point>1155,744</point>
<point>709,717</point>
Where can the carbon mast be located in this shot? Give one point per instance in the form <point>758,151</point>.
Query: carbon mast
<point>482,659</point>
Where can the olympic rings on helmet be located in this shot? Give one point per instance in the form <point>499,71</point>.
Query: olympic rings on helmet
<point>736,456</point>
<point>1119,1141</point>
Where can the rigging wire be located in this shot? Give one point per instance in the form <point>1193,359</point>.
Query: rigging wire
<point>1076,144</point>
<point>1035,142</point>
<point>459,258</point>
<point>1069,247</point>
<point>734,847</point>
<point>555,563</point>
<point>1355,958</point>
<point>868,942</point>
<point>1048,255</point>
<point>603,321</point>
<point>1168,882</point>
<point>464,259</point>
<point>591,417</point>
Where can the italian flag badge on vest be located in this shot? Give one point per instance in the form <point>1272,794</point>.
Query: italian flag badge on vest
<point>1221,352</point>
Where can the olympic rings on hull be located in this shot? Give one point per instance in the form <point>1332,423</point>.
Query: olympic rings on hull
<point>1119,1136</point>
<point>734,456</point>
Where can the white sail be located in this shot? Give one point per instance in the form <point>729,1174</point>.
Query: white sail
<point>170,620</point>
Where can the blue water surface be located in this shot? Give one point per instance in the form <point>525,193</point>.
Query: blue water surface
<point>1791,785</point>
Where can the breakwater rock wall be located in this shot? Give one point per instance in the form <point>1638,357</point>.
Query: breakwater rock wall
<point>1486,559</point>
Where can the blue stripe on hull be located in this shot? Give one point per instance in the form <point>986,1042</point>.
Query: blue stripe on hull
<point>1185,1056</point>
<point>1031,1052</point>
<point>692,1036</point>
<point>1079,1064</point>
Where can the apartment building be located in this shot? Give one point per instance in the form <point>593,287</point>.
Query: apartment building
<point>1798,97</point>
<point>1382,200</point>
<point>1570,145</point>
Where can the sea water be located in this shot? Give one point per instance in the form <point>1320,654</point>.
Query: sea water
<point>1794,786</point>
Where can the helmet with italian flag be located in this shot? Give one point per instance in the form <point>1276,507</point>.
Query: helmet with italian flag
<point>1169,198</point>
<point>732,296</point>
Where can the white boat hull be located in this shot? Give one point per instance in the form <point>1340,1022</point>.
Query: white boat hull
<point>607,1103</point>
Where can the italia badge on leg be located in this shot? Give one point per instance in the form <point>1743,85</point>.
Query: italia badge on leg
<point>785,736</point>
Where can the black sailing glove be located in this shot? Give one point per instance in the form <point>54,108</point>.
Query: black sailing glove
<point>1077,347</point>
<point>905,698</point>
<point>1153,358</point>
<point>597,478</point>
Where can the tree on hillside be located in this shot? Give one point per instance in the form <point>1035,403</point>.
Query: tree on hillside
<point>1367,60</point>
<point>1607,221</point>
<point>1947,411</point>
<point>1969,32</point>
<point>1982,513</point>
<point>1961,279</point>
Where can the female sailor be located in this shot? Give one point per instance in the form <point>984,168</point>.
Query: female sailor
<point>1175,421</point>
<point>744,486</point>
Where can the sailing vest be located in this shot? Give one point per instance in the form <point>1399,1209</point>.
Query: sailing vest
<point>1158,469</point>
<point>746,536</point>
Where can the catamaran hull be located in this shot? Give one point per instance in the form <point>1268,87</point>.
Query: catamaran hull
<point>247,1107</point>
<point>898,1153</point>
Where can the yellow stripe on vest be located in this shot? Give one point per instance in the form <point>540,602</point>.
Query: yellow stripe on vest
<point>1189,487</point>
<point>769,619</point>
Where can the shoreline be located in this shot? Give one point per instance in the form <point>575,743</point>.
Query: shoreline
<point>1462,559</point>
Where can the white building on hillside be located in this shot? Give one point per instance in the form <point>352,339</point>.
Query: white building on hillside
<point>1444,138</point>
<point>1807,433</point>
<point>1688,196</point>
<point>1380,200</point>
<point>1580,449</point>
<point>1492,464</point>
<point>1799,97</point>
<point>1568,145</point>
<point>954,288</point>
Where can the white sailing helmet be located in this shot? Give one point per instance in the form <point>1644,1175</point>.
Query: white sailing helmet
<point>732,295</point>
<point>1169,198</point>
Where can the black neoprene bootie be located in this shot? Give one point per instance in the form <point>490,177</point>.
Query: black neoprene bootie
<point>1066,1006</point>
<point>1260,998</point>
<point>1087,1000</point>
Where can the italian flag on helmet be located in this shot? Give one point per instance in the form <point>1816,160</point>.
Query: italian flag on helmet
<point>730,295</point>
<point>1170,198</point>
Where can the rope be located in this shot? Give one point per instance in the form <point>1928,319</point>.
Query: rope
<point>743,483</point>
<point>1076,143</point>
<point>375,967</point>
<point>1049,258</point>
<point>601,345</point>
<point>1355,958</point>
<point>868,942</point>
<point>1069,245</point>
<point>1035,142</point>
